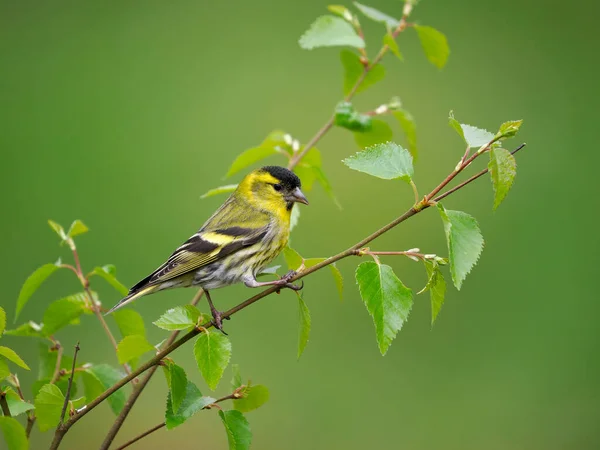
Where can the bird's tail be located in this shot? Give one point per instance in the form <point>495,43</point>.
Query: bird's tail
<point>133,295</point>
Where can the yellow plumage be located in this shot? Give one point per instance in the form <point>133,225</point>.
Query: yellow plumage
<point>247,232</point>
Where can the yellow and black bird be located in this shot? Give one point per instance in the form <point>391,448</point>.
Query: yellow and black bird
<point>247,232</point>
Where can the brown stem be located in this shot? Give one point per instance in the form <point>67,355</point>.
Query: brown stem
<point>30,422</point>
<point>138,388</point>
<point>4,404</point>
<point>69,386</point>
<point>59,356</point>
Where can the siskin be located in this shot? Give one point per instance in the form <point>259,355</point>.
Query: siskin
<point>247,232</point>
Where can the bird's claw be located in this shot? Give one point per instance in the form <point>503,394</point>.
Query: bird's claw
<point>295,287</point>
<point>218,321</point>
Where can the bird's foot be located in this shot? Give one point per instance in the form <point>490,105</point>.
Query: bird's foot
<point>285,281</point>
<point>218,320</point>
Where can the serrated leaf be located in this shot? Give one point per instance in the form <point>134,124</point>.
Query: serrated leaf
<point>304,323</point>
<point>388,39</point>
<point>254,397</point>
<point>407,123</point>
<point>476,137</point>
<point>178,385</point>
<point>509,129</point>
<point>388,301</point>
<point>132,347</point>
<point>238,431</point>
<point>130,322</point>
<point>77,228</point>
<point>436,285</point>
<point>388,161</point>
<point>14,434</point>
<point>191,404</point>
<point>379,133</point>
<point>464,240</point>
<point>29,329</point>
<point>16,405</point>
<point>10,354</point>
<point>212,351</point>
<point>179,318</point>
<point>220,190</point>
<point>353,70</point>
<point>99,378</point>
<point>33,282</point>
<point>107,272</point>
<point>503,169</point>
<point>236,376</point>
<point>249,157</point>
<point>63,312</point>
<point>4,370</point>
<point>330,31</point>
<point>347,117</point>
<point>292,258</point>
<point>377,15</point>
<point>434,44</point>
<point>48,406</point>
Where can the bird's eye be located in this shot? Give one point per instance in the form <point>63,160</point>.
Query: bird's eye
<point>277,187</point>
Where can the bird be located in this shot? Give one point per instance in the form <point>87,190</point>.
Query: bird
<point>246,233</point>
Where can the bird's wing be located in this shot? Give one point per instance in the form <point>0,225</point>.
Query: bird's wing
<point>233,227</point>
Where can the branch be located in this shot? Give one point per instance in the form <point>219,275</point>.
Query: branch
<point>367,68</point>
<point>59,356</point>
<point>4,405</point>
<point>69,386</point>
<point>138,388</point>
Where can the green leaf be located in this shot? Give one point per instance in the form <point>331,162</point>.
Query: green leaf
<point>465,242</point>
<point>330,31</point>
<point>377,15</point>
<point>249,157</point>
<point>388,301</point>
<point>212,351</point>
<point>407,123</point>
<point>2,321</point>
<point>236,376</point>
<point>292,258</point>
<point>341,11</point>
<point>63,312</point>
<point>13,357</point>
<point>32,283</point>
<point>99,378</point>
<point>48,406</point>
<point>15,404</point>
<point>58,229</point>
<point>379,133</point>
<point>338,278</point>
<point>347,117</point>
<point>387,161</point>
<point>436,285</point>
<point>29,329</point>
<point>107,273</point>
<point>503,169</point>
<point>130,322</point>
<point>254,397</point>
<point>219,190</point>
<point>77,228</point>
<point>132,347</point>
<point>456,125</point>
<point>238,431</point>
<point>353,70</point>
<point>4,370</point>
<point>295,218</point>
<point>509,129</point>
<point>178,385</point>
<point>14,434</point>
<point>304,324</point>
<point>191,404</point>
<point>434,44</point>
<point>47,360</point>
<point>388,39</point>
<point>473,136</point>
<point>179,318</point>
<point>77,403</point>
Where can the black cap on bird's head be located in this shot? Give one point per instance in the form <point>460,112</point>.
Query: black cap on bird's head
<point>288,183</point>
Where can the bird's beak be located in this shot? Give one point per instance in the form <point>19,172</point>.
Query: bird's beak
<point>297,196</point>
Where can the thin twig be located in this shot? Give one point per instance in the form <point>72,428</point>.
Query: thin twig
<point>4,404</point>
<point>69,386</point>
<point>139,387</point>
<point>59,355</point>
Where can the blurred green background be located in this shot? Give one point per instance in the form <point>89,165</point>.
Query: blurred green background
<point>122,113</point>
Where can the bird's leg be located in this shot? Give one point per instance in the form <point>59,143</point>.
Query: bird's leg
<point>217,316</point>
<point>283,282</point>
